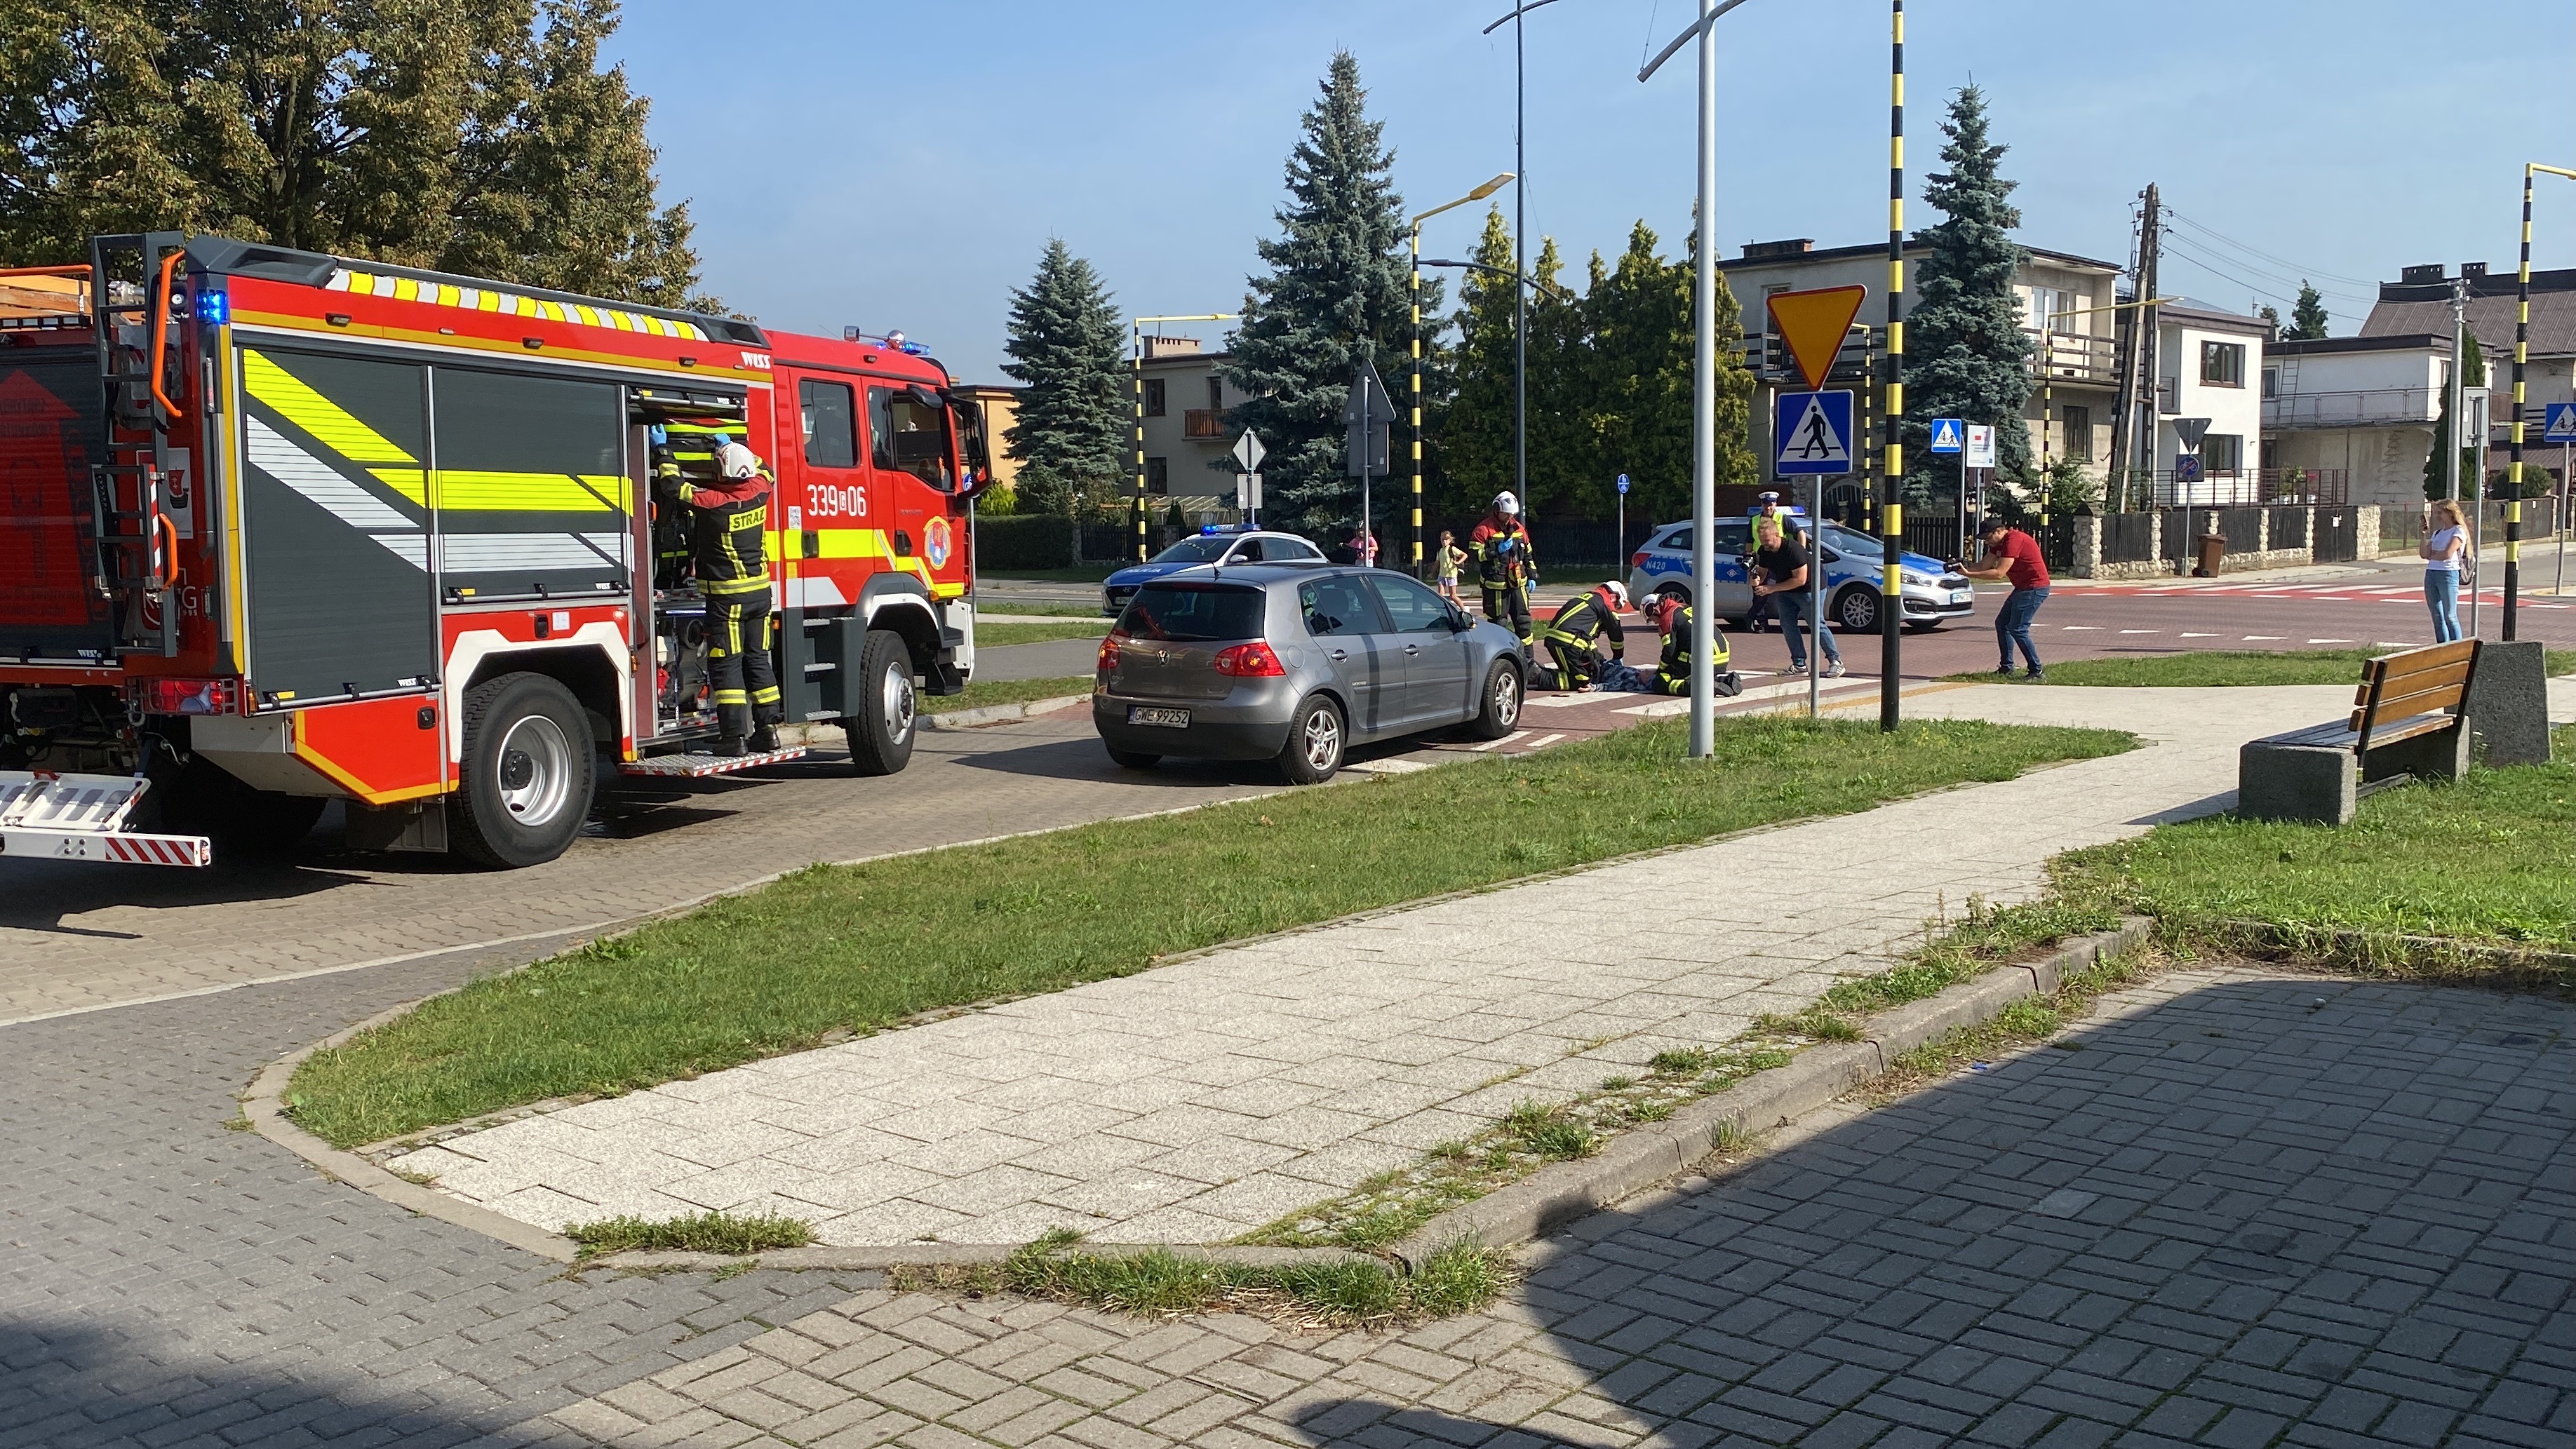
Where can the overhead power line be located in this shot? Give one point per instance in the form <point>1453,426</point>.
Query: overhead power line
<point>2304,272</point>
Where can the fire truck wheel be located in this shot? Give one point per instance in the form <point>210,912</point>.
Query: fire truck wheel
<point>526,778</point>
<point>206,799</point>
<point>881,734</point>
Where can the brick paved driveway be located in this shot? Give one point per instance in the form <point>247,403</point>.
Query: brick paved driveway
<point>2247,1210</point>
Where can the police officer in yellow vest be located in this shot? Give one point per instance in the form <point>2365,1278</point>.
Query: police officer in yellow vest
<point>732,566</point>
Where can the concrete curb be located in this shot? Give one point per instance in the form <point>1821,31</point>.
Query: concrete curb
<point>1555,1196</point>
<point>967,719</point>
<point>965,1255</point>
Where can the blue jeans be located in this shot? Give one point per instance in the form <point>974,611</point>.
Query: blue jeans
<point>1791,607</point>
<point>2442,596</point>
<point>2012,626</point>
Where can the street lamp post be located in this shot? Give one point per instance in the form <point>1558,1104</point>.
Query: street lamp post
<point>1520,244</point>
<point>1703,696</point>
<point>1136,365</point>
<point>1415,233</point>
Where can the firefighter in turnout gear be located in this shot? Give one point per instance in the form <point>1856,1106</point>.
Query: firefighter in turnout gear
<point>733,577</point>
<point>1574,634</point>
<point>1673,672</point>
<point>1506,564</point>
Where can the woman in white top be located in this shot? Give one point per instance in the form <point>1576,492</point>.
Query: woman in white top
<point>2445,542</point>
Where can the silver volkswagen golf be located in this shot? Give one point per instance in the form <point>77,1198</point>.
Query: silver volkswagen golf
<point>1296,663</point>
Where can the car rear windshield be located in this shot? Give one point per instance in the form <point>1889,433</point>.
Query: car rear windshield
<point>1193,611</point>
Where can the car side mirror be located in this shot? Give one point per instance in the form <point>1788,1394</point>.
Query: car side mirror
<point>1458,621</point>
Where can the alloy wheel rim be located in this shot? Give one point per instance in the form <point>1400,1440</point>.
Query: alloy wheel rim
<point>1507,699</point>
<point>1323,739</point>
<point>535,773</point>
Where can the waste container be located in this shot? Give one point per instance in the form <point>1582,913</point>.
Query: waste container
<point>2212,547</point>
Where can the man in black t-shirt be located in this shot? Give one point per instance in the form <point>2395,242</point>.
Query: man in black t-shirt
<point>1780,564</point>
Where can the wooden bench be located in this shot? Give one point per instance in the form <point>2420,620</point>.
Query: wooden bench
<point>2409,720</point>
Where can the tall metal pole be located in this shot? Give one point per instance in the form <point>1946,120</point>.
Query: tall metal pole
<point>1891,589</point>
<point>1136,362</point>
<point>1521,264</point>
<point>1703,683</point>
<point>1416,430</point>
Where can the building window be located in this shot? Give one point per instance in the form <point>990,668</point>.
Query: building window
<point>2052,309</point>
<point>2222,364</point>
<point>2078,423</point>
<point>2222,453</point>
<point>1216,394</point>
<point>2271,383</point>
<point>1158,476</point>
<point>1153,397</point>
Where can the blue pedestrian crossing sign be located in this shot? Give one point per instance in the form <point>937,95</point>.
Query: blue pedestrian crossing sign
<point>2561,427</point>
<point>1813,432</point>
<point>1948,436</point>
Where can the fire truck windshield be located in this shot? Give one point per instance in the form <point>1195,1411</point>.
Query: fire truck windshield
<point>908,437</point>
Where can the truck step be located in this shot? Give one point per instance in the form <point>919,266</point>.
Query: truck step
<point>47,816</point>
<point>698,766</point>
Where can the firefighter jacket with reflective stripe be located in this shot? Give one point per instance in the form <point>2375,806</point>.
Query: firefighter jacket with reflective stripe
<point>1584,620</point>
<point>1502,549</point>
<point>732,517</point>
<point>1673,671</point>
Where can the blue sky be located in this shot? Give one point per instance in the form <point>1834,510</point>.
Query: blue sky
<point>891,165</point>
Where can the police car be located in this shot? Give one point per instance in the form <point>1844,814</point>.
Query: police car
<point>1221,544</point>
<point>1934,593</point>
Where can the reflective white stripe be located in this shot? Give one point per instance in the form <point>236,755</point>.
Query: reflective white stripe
<point>813,593</point>
<point>278,457</point>
<point>488,552</point>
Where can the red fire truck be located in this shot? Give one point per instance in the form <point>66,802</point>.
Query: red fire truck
<point>279,528</point>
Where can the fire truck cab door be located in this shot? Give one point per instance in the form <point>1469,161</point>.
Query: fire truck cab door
<point>334,520</point>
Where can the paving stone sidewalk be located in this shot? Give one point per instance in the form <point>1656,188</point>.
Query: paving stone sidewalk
<point>2251,1209</point>
<point>1196,1101</point>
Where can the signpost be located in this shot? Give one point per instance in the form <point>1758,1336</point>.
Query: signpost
<point>1248,453</point>
<point>1370,415</point>
<point>1948,436</point>
<point>1619,544</point>
<point>2561,429</point>
<point>1976,468</point>
<point>1811,436</point>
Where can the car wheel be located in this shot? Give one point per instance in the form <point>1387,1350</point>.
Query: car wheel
<point>1133,759</point>
<point>1855,610</point>
<point>1498,710</point>
<point>1315,739</point>
<point>526,778</point>
<point>881,734</point>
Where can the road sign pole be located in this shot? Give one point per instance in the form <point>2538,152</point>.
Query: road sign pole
<point>1891,515</point>
<point>1703,685</point>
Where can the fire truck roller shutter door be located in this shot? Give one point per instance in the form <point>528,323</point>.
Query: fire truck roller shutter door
<point>334,530</point>
<point>52,416</point>
<point>530,487</point>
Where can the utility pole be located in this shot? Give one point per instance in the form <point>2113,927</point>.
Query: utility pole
<point>1520,262</point>
<point>2142,430</point>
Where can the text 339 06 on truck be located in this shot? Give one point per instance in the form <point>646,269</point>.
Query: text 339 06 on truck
<point>283,528</point>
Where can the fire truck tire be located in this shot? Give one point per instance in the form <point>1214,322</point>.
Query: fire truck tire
<point>206,799</point>
<point>881,735</point>
<point>525,782</point>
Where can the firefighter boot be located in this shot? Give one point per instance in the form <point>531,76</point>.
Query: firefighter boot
<point>764,738</point>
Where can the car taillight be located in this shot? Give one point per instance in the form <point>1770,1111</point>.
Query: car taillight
<point>1639,560</point>
<point>186,696</point>
<point>1249,661</point>
<point>1109,653</point>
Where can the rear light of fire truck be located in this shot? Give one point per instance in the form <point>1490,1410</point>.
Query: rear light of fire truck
<point>186,696</point>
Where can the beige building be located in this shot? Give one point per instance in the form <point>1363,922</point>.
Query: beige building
<point>1000,407</point>
<point>1188,446</point>
<point>2357,411</point>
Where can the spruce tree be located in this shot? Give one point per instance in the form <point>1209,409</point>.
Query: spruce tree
<point>1966,355</point>
<point>2307,316</point>
<point>1336,288</point>
<point>1075,425</point>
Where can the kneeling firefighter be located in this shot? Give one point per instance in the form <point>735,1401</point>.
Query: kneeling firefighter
<point>1506,564</point>
<point>1574,634</point>
<point>733,575</point>
<point>1676,621</point>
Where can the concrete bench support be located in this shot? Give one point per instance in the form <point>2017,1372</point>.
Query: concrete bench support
<point>2296,782</point>
<point>2509,704</point>
<point>2442,755</point>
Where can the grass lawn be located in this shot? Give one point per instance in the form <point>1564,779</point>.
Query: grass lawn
<point>1087,574</point>
<point>997,636</point>
<point>2490,860</point>
<point>981,692</point>
<point>836,949</point>
<point>2207,668</point>
<point>1083,608</point>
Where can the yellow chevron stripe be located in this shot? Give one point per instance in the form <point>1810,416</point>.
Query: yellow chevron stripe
<point>327,421</point>
<point>411,483</point>
<point>467,491</point>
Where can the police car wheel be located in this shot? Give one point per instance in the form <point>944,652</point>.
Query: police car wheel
<point>881,734</point>
<point>1856,610</point>
<point>525,782</point>
<point>1498,710</point>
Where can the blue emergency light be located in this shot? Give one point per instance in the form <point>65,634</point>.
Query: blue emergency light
<point>214,308</point>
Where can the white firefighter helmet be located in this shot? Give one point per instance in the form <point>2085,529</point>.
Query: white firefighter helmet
<point>736,461</point>
<point>1617,593</point>
<point>1506,505</point>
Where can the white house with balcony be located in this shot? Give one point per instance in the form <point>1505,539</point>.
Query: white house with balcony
<point>1187,441</point>
<point>2209,365</point>
<point>2356,410</point>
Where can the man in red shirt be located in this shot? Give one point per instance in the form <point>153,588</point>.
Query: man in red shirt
<point>2014,555</point>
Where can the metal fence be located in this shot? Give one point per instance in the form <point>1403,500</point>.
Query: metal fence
<point>2242,527</point>
<point>2336,536</point>
<point>2287,528</point>
<point>2401,526</point>
<point>2128,537</point>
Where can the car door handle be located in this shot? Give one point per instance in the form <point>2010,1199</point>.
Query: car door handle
<point>1339,656</point>
<point>1412,648</point>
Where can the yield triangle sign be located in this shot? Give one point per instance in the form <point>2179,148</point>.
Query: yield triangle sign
<point>1813,324</point>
